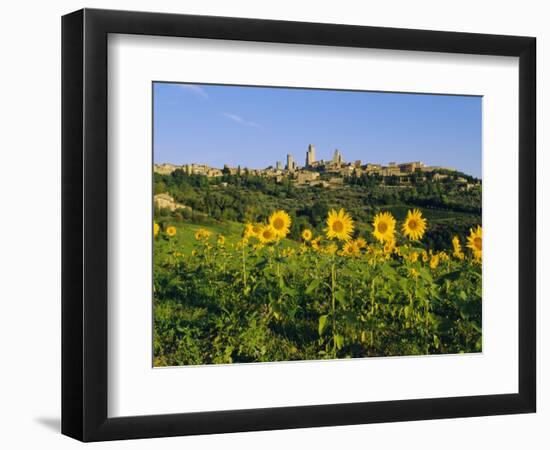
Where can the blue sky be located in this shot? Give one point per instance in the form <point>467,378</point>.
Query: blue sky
<point>257,126</point>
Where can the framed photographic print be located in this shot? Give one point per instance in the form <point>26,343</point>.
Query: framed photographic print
<point>273,224</point>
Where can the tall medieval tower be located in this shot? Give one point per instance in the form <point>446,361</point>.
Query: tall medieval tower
<point>310,155</point>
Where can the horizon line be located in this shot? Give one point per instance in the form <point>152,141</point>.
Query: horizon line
<point>306,167</point>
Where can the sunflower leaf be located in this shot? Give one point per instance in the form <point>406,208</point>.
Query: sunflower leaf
<point>322,324</point>
<point>313,285</point>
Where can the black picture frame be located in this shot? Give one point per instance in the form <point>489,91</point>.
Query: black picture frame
<point>84,224</point>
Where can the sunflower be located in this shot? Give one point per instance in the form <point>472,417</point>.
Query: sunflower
<point>339,225</point>
<point>457,249</point>
<point>156,229</point>
<point>474,242</point>
<point>256,228</point>
<point>384,227</point>
<point>413,257</point>
<point>249,231</point>
<point>443,256</point>
<point>389,247</point>
<point>268,234</point>
<point>280,222</point>
<point>350,249</point>
<point>171,231</point>
<point>414,226</point>
<point>315,243</point>
<point>361,243</point>
<point>202,233</point>
<point>434,261</point>
<point>307,235</point>
<point>221,239</point>
<point>331,249</point>
<point>287,252</point>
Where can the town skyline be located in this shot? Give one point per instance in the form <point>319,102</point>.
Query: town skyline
<point>328,173</point>
<point>284,163</point>
<point>257,126</point>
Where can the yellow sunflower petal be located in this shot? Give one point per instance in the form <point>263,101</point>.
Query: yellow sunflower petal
<point>351,249</point>
<point>414,226</point>
<point>339,225</point>
<point>475,242</point>
<point>280,222</point>
<point>268,234</point>
<point>384,227</point>
<point>457,249</point>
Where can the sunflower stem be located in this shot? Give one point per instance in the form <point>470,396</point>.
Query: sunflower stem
<point>244,267</point>
<point>278,259</point>
<point>372,294</point>
<point>333,316</point>
<point>171,252</point>
<point>426,319</point>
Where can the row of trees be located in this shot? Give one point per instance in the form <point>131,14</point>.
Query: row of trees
<point>246,198</point>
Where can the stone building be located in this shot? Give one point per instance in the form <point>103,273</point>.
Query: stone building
<point>166,201</point>
<point>306,177</point>
<point>165,169</point>
<point>290,164</point>
<point>411,167</point>
<point>310,155</point>
<point>337,158</point>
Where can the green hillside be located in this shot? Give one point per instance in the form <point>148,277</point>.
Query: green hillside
<point>221,202</point>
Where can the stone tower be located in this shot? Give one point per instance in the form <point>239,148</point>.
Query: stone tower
<point>290,165</point>
<point>310,155</point>
<point>337,158</point>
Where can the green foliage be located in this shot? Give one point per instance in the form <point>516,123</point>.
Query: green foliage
<point>217,304</point>
<point>449,207</point>
<point>238,302</point>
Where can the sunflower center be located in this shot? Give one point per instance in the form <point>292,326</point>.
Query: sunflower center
<point>338,226</point>
<point>382,227</point>
<point>477,243</point>
<point>278,223</point>
<point>413,224</point>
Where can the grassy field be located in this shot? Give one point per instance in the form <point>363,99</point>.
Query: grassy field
<point>232,230</point>
<point>224,294</point>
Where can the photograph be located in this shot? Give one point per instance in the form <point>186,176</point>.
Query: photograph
<point>300,224</point>
<point>259,225</point>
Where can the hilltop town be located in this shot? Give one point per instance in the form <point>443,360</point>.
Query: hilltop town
<point>325,173</point>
